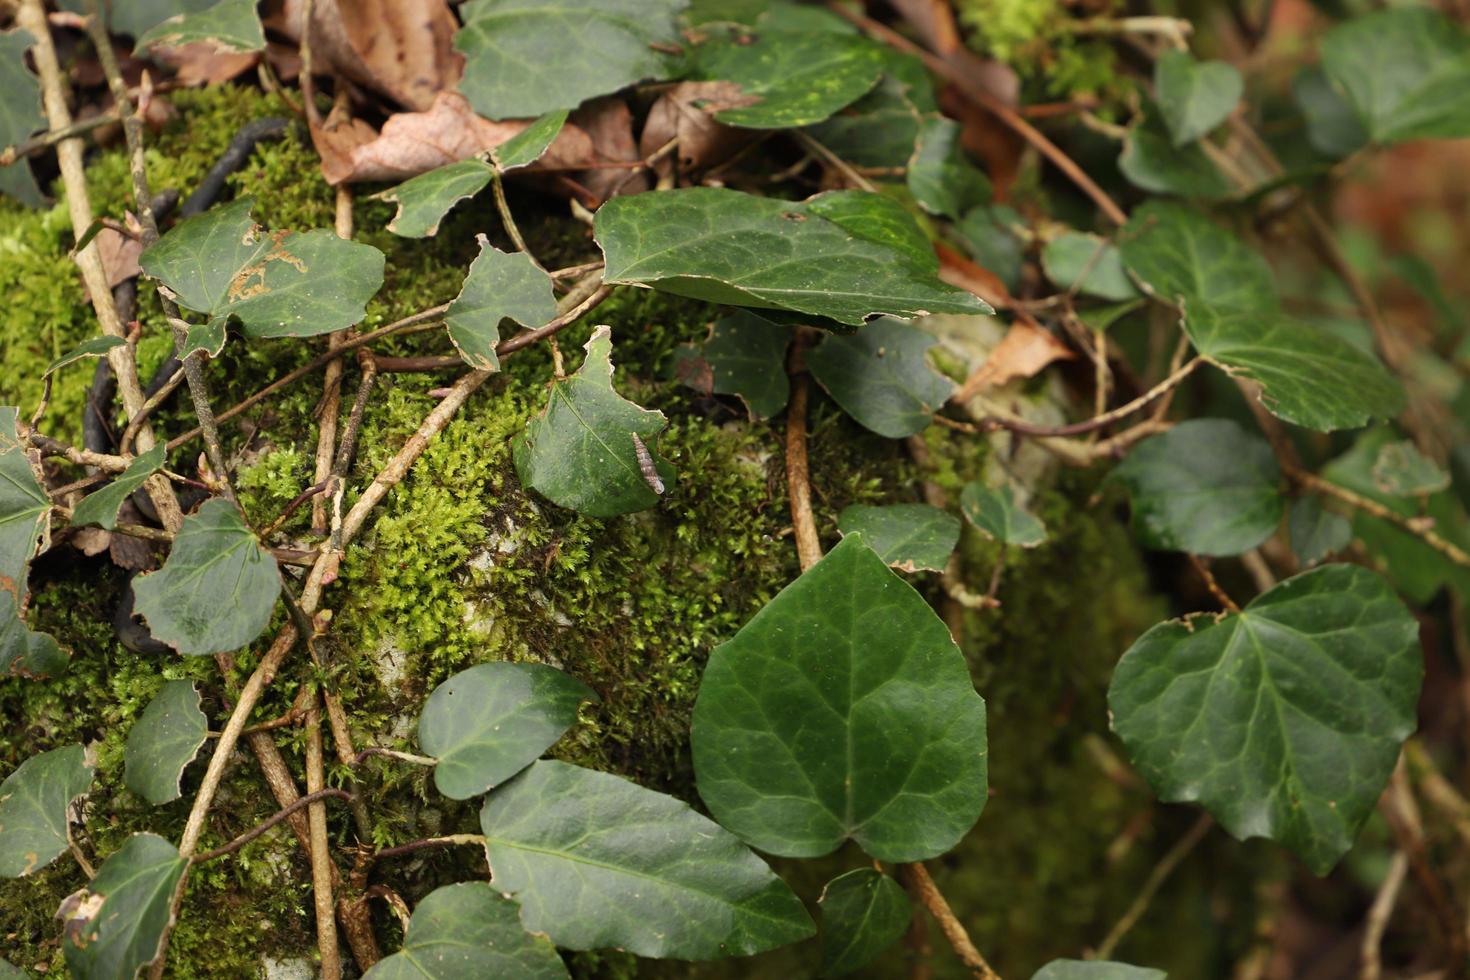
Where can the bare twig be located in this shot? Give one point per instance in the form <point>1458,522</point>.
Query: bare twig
<point>321,860</point>
<point>1096,422</point>
<point>497,190</point>
<point>798,482</point>
<point>1378,916</point>
<point>429,842</point>
<point>1208,577</point>
<point>301,802</point>
<point>1419,527</point>
<point>1153,883</point>
<point>51,137</point>
<point>372,750</point>
<point>924,892</point>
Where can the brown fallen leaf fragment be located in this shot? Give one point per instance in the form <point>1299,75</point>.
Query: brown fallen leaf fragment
<point>964,274</point>
<point>119,254</point>
<point>609,124</point>
<point>92,541</point>
<point>686,113</point>
<point>201,63</point>
<point>1026,348</point>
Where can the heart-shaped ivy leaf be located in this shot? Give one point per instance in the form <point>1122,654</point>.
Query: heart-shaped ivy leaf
<point>33,808</point>
<point>881,376</point>
<point>845,255</point>
<point>1283,720</point>
<point>1194,96</point>
<point>842,710</point>
<point>1152,162</point>
<point>423,201</point>
<point>100,506</point>
<point>996,514</point>
<point>1095,970</point>
<point>488,723</point>
<point>909,537</point>
<point>163,742</point>
<point>25,515</point>
<point>229,25</point>
<point>591,450</point>
<point>500,286</point>
<point>216,591</point>
<point>467,931</point>
<point>597,861</point>
<point>863,913</point>
<point>745,356</point>
<point>114,927</point>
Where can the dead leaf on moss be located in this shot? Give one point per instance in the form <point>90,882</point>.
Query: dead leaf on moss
<point>201,63</point>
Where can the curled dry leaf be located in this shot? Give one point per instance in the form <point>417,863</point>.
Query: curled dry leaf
<point>686,113</point>
<point>609,124</point>
<point>1026,348</point>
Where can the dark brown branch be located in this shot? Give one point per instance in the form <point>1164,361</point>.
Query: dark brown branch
<point>269,822</point>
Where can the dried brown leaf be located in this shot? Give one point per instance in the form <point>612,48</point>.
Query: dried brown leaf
<point>686,113</point>
<point>609,124</point>
<point>202,63</point>
<point>1026,348</point>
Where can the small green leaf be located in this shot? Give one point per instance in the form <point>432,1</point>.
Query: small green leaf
<point>25,529</point>
<point>1095,970</point>
<point>216,591</point>
<point>281,284</point>
<point>500,286</point>
<point>488,723</point>
<point>1401,470</point>
<point>908,537</point>
<point>1152,162</point>
<point>990,238</point>
<point>1283,720</point>
<point>100,506</point>
<point>20,114</point>
<point>1316,532</point>
<point>1188,260</point>
<point>940,175</point>
<point>33,808</point>
<point>114,927</point>
<point>881,376</point>
<point>1206,486</point>
<point>844,255</point>
<point>996,514</point>
<point>1088,264</point>
<point>591,450</point>
<point>465,932</point>
<point>745,356</point>
<point>207,337</point>
<point>526,147</point>
<point>423,201</point>
<point>842,710</point>
<point>163,741</point>
<point>1333,128</point>
<point>96,347</point>
<point>882,128</point>
<point>863,913</point>
<point>1194,96</point>
<point>527,57</point>
<point>229,25</point>
<point>596,861</point>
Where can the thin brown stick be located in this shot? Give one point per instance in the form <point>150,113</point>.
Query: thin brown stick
<point>1153,883</point>
<point>1097,421</point>
<point>798,479</point>
<point>1401,813</point>
<point>1221,596</point>
<point>309,493</point>
<point>321,859</point>
<point>497,190</point>
<point>372,750</point>
<point>1379,914</point>
<point>299,803</point>
<point>331,403</point>
<point>1419,527</point>
<point>41,141</point>
<point>842,166</point>
<point>922,889</point>
<point>160,396</point>
<point>413,847</point>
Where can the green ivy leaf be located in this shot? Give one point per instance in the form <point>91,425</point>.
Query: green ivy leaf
<point>1095,970</point>
<point>25,529</point>
<point>488,723</point>
<point>1333,128</point>
<point>1190,261</point>
<point>909,537</point>
<point>1194,96</point>
<point>526,147</point>
<point>100,506</point>
<point>527,57</point>
<point>995,513</point>
<point>844,255</point>
<point>1088,264</point>
<point>842,710</point>
<point>597,861</point>
<point>229,25</point>
<point>33,808</point>
<point>95,347</point>
<point>940,175</point>
<point>467,931</point>
<point>1152,162</point>
<point>500,286</point>
<point>114,926</point>
<point>1401,470</point>
<point>882,128</point>
<point>582,452</point>
<point>137,17</point>
<point>1316,532</point>
<point>863,913</point>
<point>217,589</point>
<point>163,741</point>
<point>881,376</point>
<point>1283,720</point>
<point>1206,486</point>
<point>20,114</point>
<point>423,201</point>
<point>745,356</point>
<point>990,238</point>
<point>1404,71</point>
<point>281,284</point>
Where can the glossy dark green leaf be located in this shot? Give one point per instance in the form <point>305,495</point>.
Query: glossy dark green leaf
<point>1152,162</point>
<point>882,128</point>
<point>500,286</point>
<point>1401,470</point>
<point>909,537</point>
<point>526,147</point>
<point>114,927</point>
<point>863,913</point>
<point>423,201</point>
<point>844,255</point>
<point>1283,720</point>
<point>33,808</point>
<point>1333,128</point>
<point>842,710</point>
<point>1194,96</point>
<point>1206,486</point>
<point>163,741</point>
<point>881,376</point>
<point>591,450</point>
<point>1189,260</point>
<point>229,25</point>
<point>469,931</point>
<point>1095,970</point>
<point>997,515</point>
<point>136,17</point>
<point>596,861</point>
<point>745,356</point>
<point>940,175</point>
<point>1316,532</point>
<point>278,284</point>
<point>527,57</point>
<point>100,506</point>
<point>20,114</point>
<point>216,591</point>
<point>25,516</point>
<point>95,347</point>
<point>1404,71</point>
<point>1087,264</point>
<point>990,238</point>
<point>489,722</point>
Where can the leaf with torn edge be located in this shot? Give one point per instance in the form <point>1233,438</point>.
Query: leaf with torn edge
<point>591,450</point>
<point>908,537</point>
<point>230,25</point>
<point>745,356</point>
<point>114,927</point>
<point>163,741</point>
<point>216,591</point>
<point>527,146</point>
<point>500,286</point>
<point>489,722</point>
<point>423,201</point>
<point>863,913</point>
<point>34,801</point>
<point>996,514</point>
<point>25,530</point>
<point>101,505</point>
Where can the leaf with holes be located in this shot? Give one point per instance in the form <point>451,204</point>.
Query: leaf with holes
<point>488,723</point>
<point>423,201</point>
<point>842,710</point>
<point>1194,96</point>
<point>940,175</point>
<point>216,591</point>
<point>100,506</point>
<point>277,284</point>
<point>881,376</point>
<point>1401,470</point>
<point>163,742</point>
<point>863,913</point>
<point>468,930</point>
<point>33,808</point>
<point>229,25</point>
<point>1283,720</point>
<point>909,537</point>
<point>25,529</point>
<point>745,356</point>
<point>1088,264</point>
<point>596,861</point>
<point>997,515</point>
<point>500,286</point>
<point>114,927</point>
<point>591,450</point>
